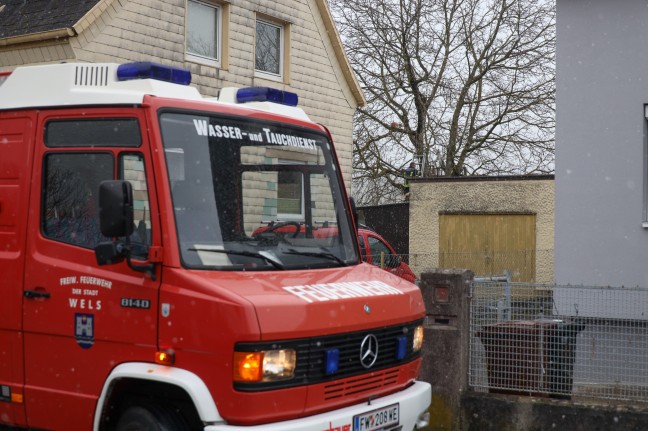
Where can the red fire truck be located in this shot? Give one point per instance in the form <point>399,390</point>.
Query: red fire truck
<point>137,291</point>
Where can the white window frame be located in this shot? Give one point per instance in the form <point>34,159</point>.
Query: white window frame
<point>197,58</point>
<point>288,216</point>
<point>282,48</point>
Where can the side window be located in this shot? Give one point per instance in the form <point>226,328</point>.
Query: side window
<point>377,248</point>
<point>70,196</point>
<point>271,50</point>
<point>93,132</point>
<point>131,168</point>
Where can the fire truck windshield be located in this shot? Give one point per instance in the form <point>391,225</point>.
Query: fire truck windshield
<point>250,194</point>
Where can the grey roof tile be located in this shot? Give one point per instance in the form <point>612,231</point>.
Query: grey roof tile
<point>22,17</point>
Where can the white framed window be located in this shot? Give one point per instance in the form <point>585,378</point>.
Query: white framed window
<point>269,50</point>
<point>290,193</point>
<point>204,27</point>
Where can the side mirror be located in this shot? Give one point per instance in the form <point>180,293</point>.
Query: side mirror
<point>116,208</point>
<point>116,220</point>
<point>109,253</point>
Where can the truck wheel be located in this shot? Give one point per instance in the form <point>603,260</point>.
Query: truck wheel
<point>151,418</point>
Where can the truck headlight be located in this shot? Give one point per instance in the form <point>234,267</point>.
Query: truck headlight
<point>417,342</point>
<point>264,366</point>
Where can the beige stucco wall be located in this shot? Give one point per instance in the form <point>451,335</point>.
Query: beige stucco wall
<point>154,30</point>
<point>430,197</point>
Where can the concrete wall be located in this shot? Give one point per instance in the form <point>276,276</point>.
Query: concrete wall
<point>429,197</point>
<point>512,413</point>
<point>154,30</point>
<point>601,182</point>
<point>447,343</point>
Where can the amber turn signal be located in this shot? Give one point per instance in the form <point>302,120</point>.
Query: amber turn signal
<point>248,366</point>
<point>164,358</point>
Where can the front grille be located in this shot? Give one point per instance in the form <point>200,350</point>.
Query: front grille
<point>311,359</point>
<point>361,384</point>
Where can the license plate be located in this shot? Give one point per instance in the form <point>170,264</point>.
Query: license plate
<point>376,420</point>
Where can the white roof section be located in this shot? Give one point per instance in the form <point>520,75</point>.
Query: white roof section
<point>71,84</point>
<point>228,95</point>
<point>88,84</point>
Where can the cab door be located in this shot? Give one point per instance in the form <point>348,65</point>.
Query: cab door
<point>81,319</point>
<point>16,155</point>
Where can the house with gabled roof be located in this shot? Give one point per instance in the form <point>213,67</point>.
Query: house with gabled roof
<point>287,44</point>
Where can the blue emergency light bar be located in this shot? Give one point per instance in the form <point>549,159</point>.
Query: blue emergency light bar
<point>147,69</point>
<point>266,94</point>
<point>332,361</point>
<point>401,347</point>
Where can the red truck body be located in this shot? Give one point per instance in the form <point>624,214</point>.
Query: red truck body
<point>169,325</point>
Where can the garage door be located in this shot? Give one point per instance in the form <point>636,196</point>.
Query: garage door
<point>489,244</point>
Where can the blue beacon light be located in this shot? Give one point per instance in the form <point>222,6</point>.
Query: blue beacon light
<point>332,361</point>
<point>401,347</point>
<point>160,72</point>
<point>266,94</point>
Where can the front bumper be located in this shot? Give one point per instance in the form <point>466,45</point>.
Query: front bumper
<point>413,402</point>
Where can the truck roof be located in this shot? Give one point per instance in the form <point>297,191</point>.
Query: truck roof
<point>93,84</point>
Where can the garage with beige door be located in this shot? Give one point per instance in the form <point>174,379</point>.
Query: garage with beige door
<point>486,224</point>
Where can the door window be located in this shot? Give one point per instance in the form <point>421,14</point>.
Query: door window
<point>132,170</point>
<point>71,201</point>
<point>70,208</point>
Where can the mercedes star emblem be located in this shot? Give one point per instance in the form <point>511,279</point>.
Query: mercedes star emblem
<point>369,351</point>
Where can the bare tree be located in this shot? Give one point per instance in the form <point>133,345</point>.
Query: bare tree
<point>462,87</point>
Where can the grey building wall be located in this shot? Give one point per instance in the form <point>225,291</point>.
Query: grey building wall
<point>601,237</point>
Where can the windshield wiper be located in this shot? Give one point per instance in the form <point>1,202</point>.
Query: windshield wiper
<point>268,257</point>
<point>324,254</point>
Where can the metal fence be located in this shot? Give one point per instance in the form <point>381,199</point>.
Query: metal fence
<point>559,341</point>
<point>523,265</point>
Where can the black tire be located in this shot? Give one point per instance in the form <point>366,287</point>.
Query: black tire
<point>151,418</point>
